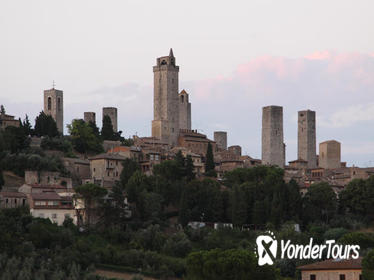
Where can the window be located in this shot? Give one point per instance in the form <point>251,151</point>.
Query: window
<point>50,203</point>
<point>15,201</point>
<point>342,277</point>
<point>182,99</point>
<point>59,104</point>
<point>312,277</point>
<point>6,201</point>
<point>49,103</point>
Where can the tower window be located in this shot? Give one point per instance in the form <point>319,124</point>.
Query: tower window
<point>59,104</point>
<point>163,62</point>
<point>49,103</point>
<point>182,99</point>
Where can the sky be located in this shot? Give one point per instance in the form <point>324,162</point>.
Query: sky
<point>235,57</point>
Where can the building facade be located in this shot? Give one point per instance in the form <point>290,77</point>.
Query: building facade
<point>90,117</point>
<point>54,106</point>
<point>273,147</point>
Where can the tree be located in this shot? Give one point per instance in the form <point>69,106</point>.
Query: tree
<point>27,126</point>
<point>107,132</point>
<point>15,139</point>
<point>91,195</point>
<point>368,266</point>
<point>94,128</point>
<point>2,110</point>
<point>209,160</point>
<point>189,168</point>
<point>83,138</point>
<point>130,166</point>
<point>45,125</point>
<point>319,203</point>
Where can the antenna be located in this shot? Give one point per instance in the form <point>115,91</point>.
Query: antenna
<point>53,84</point>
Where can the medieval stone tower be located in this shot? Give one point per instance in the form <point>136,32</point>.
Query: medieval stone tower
<point>220,137</point>
<point>165,124</point>
<point>330,154</point>
<point>112,113</point>
<point>184,111</point>
<point>90,117</point>
<point>54,106</point>
<point>273,148</point>
<point>306,137</point>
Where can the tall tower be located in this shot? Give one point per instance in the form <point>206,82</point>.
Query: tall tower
<point>306,137</point>
<point>220,137</point>
<point>112,113</point>
<point>54,106</point>
<point>273,148</point>
<point>165,124</point>
<point>90,117</point>
<point>184,111</point>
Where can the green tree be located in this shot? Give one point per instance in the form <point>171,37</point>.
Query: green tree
<point>91,195</point>
<point>209,160</point>
<point>190,174</point>
<point>358,198</point>
<point>368,266</point>
<point>130,166</point>
<point>83,138</point>
<point>45,125</point>
<point>15,139</point>
<point>2,110</point>
<point>319,203</point>
<point>26,125</point>
<point>107,132</point>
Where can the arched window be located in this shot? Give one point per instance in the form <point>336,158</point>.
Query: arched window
<point>59,104</point>
<point>49,103</point>
<point>182,99</point>
<point>164,62</point>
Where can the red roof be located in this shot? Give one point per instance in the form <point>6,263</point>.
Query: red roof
<point>333,264</point>
<point>45,196</point>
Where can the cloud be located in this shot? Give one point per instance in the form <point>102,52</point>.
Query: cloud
<point>347,117</point>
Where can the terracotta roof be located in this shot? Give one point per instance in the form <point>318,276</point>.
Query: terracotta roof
<point>108,156</point>
<point>183,92</point>
<point>333,264</point>
<point>12,194</point>
<point>45,196</point>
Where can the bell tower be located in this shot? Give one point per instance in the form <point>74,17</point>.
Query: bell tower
<point>165,124</point>
<point>54,106</point>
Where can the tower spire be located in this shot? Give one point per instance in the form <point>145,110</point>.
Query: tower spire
<point>171,53</point>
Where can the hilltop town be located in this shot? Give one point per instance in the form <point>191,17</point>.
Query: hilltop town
<point>175,185</point>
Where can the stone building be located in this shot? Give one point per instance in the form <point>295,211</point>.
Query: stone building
<point>220,137</point>
<point>12,199</point>
<point>165,124</point>
<point>195,142</point>
<point>184,110</point>
<point>329,154</point>
<point>106,169</point>
<point>332,269</point>
<point>90,117</point>
<point>50,205</point>
<point>273,147</point>
<point>306,137</point>
<point>8,120</point>
<point>112,113</point>
<point>235,149</point>
<point>54,106</point>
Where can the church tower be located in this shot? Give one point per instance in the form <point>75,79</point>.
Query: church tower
<point>165,124</point>
<point>54,106</point>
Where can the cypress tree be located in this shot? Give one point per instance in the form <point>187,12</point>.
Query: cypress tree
<point>209,159</point>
